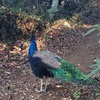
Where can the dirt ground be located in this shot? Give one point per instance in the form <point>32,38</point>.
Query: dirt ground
<point>18,83</point>
<point>79,50</point>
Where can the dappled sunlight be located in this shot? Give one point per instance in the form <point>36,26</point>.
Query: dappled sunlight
<point>14,57</point>
<point>59,25</point>
<point>2,47</point>
<point>26,23</point>
<point>86,26</point>
<point>40,43</point>
<point>15,50</point>
<point>21,49</point>
<point>62,23</point>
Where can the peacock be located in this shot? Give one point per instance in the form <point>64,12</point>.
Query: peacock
<point>46,64</point>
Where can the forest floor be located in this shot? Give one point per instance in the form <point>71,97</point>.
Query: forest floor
<point>18,83</point>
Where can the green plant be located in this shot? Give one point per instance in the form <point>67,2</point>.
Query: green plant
<point>96,70</point>
<point>94,28</point>
<point>77,94</point>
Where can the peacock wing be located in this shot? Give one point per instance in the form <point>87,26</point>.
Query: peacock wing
<point>47,59</point>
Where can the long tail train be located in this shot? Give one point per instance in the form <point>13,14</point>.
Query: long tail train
<point>69,72</point>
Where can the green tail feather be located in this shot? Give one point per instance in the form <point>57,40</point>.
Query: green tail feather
<point>69,72</point>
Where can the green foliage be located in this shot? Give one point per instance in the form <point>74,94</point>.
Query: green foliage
<point>88,9</point>
<point>94,28</point>
<point>8,25</point>
<point>15,23</point>
<point>90,31</point>
<point>95,71</point>
<point>76,95</point>
<point>92,73</point>
<point>97,63</point>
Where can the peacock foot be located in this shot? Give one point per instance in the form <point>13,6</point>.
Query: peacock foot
<point>40,90</point>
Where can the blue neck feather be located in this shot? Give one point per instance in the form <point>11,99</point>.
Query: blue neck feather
<point>32,47</point>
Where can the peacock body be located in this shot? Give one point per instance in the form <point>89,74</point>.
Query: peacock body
<point>46,64</point>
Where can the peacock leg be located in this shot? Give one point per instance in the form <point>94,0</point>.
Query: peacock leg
<point>46,84</point>
<point>42,89</point>
<point>48,81</point>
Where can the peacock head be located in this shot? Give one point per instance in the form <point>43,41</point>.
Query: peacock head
<point>32,37</point>
<point>33,46</point>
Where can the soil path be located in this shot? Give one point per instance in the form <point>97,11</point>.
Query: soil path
<point>84,55</point>
<point>79,50</point>
<point>18,83</point>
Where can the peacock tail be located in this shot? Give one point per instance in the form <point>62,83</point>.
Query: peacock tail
<point>69,72</point>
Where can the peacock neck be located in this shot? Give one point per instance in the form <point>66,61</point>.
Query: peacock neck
<point>33,46</point>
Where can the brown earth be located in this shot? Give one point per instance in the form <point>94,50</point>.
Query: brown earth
<point>18,83</point>
<point>79,50</point>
